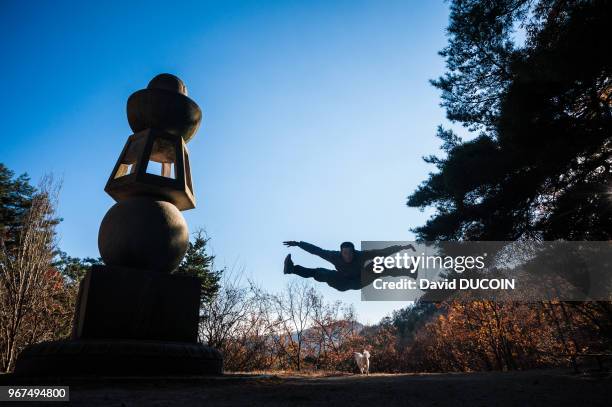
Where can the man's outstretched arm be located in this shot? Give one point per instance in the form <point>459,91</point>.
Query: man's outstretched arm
<point>312,249</point>
<point>387,251</point>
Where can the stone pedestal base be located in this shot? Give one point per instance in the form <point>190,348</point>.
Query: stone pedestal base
<point>128,323</point>
<point>120,303</point>
<point>118,358</point>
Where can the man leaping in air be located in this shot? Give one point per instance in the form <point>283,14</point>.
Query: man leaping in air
<point>349,264</point>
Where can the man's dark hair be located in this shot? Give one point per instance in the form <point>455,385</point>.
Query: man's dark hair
<point>347,244</point>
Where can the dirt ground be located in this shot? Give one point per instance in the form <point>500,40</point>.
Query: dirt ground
<point>531,388</point>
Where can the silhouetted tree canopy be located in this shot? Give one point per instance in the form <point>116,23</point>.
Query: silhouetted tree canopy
<point>199,263</point>
<point>541,115</point>
<point>73,268</point>
<point>410,319</point>
<point>16,194</point>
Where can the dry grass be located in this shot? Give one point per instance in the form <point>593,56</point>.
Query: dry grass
<point>292,373</point>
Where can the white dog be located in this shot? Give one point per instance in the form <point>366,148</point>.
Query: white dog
<point>363,361</point>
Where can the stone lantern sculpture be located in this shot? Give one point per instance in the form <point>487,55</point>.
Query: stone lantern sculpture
<point>133,316</point>
<point>151,181</point>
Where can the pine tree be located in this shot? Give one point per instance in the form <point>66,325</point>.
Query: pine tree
<point>199,263</point>
<point>539,165</point>
<point>16,196</point>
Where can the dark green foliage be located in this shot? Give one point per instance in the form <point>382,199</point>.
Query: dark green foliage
<point>478,56</point>
<point>16,195</point>
<point>73,269</point>
<point>199,263</point>
<point>409,320</point>
<point>540,166</point>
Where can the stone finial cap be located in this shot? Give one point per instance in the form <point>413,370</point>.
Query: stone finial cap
<point>164,105</point>
<point>169,82</point>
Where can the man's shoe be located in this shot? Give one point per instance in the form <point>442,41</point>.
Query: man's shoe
<point>288,269</point>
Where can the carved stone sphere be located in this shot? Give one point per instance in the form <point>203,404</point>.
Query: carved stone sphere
<point>144,234</point>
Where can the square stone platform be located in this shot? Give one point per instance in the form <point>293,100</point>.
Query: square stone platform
<point>128,304</point>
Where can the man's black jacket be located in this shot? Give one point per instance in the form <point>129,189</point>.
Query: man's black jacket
<point>354,268</point>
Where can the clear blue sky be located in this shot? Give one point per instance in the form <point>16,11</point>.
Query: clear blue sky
<point>316,115</point>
